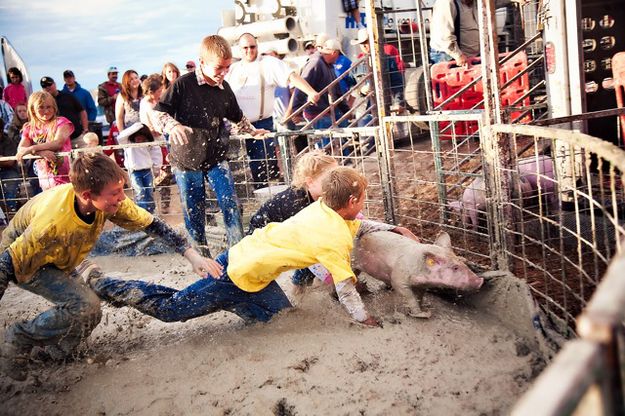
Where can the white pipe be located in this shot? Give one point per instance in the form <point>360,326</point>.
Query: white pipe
<point>262,30</point>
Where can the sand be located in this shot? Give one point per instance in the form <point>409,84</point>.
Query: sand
<point>310,360</point>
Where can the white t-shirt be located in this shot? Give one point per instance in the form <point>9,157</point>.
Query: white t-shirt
<point>147,115</point>
<point>245,80</point>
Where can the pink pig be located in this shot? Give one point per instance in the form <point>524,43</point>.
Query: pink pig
<point>411,267</point>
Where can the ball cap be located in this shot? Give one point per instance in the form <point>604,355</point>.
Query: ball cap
<point>330,45</point>
<point>112,69</point>
<point>46,82</point>
<point>68,73</point>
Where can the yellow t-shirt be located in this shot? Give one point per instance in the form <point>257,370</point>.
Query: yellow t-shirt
<point>317,234</point>
<point>47,230</point>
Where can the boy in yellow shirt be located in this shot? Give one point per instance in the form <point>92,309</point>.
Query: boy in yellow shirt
<point>47,240</point>
<point>323,232</point>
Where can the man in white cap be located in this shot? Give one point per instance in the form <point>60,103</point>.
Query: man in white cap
<point>107,94</point>
<point>319,73</point>
<point>392,78</point>
<point>253,80</point>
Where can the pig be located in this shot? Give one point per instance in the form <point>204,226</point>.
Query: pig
<point>474,200</point>
<point>539,170</point>
<point>411,268</point>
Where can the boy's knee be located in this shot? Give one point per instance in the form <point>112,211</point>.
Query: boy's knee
<point>87,310</point>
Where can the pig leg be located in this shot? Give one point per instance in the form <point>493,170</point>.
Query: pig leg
<point>411,303</point>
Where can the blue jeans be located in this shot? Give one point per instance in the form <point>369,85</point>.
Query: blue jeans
<point>75,314</point>
<point>262,155</point>
<point>193,199</point>
<point>439,56</point>
<point>143,184</point>
<point>200,298</point>
<point>9,187</point>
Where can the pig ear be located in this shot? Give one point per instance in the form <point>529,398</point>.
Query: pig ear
<point>443,240</point>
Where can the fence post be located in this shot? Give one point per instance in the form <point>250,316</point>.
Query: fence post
<point>384,135</point>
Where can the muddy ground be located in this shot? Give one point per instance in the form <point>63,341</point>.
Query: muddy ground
<point>310,360</point>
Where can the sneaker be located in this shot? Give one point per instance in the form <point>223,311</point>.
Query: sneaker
<point>13,361</point>
<point>89,272</point>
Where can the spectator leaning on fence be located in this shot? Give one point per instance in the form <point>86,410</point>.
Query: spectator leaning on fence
<point>68,107</point>
<point>43,135</point>
<point>253,80</point>
<point>319,73</point>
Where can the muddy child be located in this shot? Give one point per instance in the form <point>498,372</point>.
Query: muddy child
<point>323,232</point>
<point>191,112</point>
<point>45,244</point>
<point>308,174</point>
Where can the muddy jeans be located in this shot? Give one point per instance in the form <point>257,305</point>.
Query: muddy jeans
<point>200,298</point>
<point>75,314</point>
<point>193,198</point>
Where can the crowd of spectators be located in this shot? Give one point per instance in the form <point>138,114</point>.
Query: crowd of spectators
<point>264,87</point>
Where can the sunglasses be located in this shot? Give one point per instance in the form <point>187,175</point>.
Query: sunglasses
<point>249,47</point>
<point>190,67</point>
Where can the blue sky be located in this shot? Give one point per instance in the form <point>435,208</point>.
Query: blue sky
<point>88,36</point>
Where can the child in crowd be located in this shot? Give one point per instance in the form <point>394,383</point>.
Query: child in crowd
<point>44,134</point>
<point>139,161</point>
<point>48,239</point>
<point>91,139</point>
<point>322,233</point>
<point>192,112</point>
<point>169,74</point>
<point>153,88</point>
<point>9,171</point>
<point>15,92</point>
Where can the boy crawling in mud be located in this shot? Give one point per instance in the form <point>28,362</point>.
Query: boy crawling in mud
<point>45,243</point>
<point>323,232</point>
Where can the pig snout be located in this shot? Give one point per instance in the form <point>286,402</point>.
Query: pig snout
<point>453,274</point>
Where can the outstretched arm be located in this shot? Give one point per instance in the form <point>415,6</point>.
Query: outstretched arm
<point>201,265</point>
<point>350,299</point>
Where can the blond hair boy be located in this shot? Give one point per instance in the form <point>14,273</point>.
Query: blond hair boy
<point>47,240</point>
<point>191,111</point>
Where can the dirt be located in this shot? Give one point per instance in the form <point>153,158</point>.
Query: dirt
<point>310,360</point>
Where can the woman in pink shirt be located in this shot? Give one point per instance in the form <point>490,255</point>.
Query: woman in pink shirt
<point>15,93</point>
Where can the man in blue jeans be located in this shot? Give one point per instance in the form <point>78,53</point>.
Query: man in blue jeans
<point>191,111</point>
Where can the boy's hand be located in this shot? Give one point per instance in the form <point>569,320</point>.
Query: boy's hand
<point>260,132</point>
<point>406,233</point>
<point>179,134</point>
<point>203,266</point>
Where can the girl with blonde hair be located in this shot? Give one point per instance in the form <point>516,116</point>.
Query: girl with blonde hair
<point>44,134</point>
